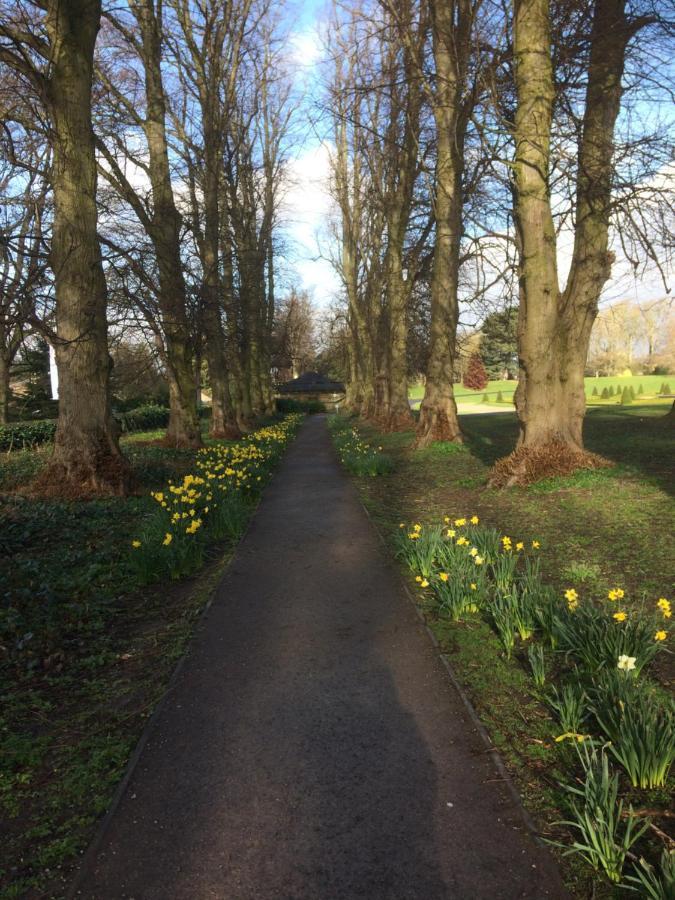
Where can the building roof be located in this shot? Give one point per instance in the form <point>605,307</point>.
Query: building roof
<point>311,383</point>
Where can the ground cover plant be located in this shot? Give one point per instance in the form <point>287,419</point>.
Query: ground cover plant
<point>87,641</point>
<point>551,603</point>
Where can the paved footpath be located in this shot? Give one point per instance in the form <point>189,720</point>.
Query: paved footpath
<point>312,747</point>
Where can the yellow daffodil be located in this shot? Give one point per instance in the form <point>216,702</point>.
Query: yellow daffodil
<point>615,594</point>
<point>443,576</point>
<point>473,551</point>
<point>168,537</point>
<point>460,522</point>
<point>474,520</point>
<point>473,586</point>
<point>571,736</point>
<point>478,560</point>
<point>660,635</point>
<point>424,583</point>
<point>520,545</point>
<point>446,520</point>
<point>620,616</point>
<point>462,542</point>
<point>417,528</point>
<point>135,544</point>
<point>536,545</point>
<point>451,532</point>
<point>418,578</point>
<point>413,535</point>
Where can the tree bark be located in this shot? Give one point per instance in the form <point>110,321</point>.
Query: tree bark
<point>4,389</point>
<point>86,458</point>
<point>438,419</point>
<point>554,328</point>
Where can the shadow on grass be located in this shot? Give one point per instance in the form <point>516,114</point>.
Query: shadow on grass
<point>635,438</point>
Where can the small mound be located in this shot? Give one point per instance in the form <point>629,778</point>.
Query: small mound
<point>553,459</point>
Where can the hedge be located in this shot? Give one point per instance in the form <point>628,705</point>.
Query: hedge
<point>27,435</point>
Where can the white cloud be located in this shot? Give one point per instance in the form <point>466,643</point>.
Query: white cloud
<point>306,211</point>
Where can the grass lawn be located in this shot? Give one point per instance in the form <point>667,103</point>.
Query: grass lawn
<point>85,654</point>
<point>651,384</point>
<point>598,529</point>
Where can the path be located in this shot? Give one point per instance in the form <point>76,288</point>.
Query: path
<point>312,747</point>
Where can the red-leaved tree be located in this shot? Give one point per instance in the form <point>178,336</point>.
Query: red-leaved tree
<point>475,377</point>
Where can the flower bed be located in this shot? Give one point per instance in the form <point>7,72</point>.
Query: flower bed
<point>589,659</point>
<point>357,455</point>
<point>209,504</point>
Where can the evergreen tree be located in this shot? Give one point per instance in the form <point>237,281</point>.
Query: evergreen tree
<point>499,345</point>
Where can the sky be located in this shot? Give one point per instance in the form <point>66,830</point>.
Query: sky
<point>307,207</point>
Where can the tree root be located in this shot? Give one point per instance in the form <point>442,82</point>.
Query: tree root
<point>529,464</point>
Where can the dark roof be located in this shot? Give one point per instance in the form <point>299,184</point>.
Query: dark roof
<point>313,383</point>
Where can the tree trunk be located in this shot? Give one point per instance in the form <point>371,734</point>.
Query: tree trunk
<point>553,328</point>
<point>438,419</point>
<point>183,429</point>
<point>86,458</point>
<point>4,388</point>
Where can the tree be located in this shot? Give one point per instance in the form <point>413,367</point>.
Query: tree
<point>554,325</point>
<point>499,343</point>
<point>475,378</point>
<point>57,63</point>
<point>451,104</point>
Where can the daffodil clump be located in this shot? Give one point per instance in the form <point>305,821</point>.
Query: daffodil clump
<point>356,454</point>
<point>211,503</point>
<point>598,649</point>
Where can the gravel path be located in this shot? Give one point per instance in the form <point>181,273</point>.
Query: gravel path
<point>312,746</point>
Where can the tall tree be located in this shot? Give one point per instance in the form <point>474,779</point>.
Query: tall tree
<point>59,66</point>
<point>555,325</point>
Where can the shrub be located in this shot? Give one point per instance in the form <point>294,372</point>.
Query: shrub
<point>500,397</point>
<point>665,388</point>
<point>143,418</point>
<point>626,398</point>
<point>27,435</point>
<point>631,391</point>
<point>475,377</point>
<point>289,405</point>
<point>594,392</point>
<point>640,390</point>
<point>485,399</point>
<point>605,394</point>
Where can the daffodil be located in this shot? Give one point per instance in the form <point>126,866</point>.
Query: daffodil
<point>615,594</point>
<point>474,520</point>
<point>168,537</point>
<point>536,545</point>
<point>135,544</point>
<point>478,560</point>
<point>520,545</point>
<point>660,635</point>
<point>424,583</point>
<point>626,663</point>
<point>460,522</point>
<point>620,616</point>
<point>443,576</point>
<point>473,586</point>
<point>571,735</point>
<point>451,532</point>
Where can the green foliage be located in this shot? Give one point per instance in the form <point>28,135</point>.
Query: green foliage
<point>485,399</point>
<point>28,435</point>
<point>610,392</point>
<point>640,391</point>
<point>651,883</point>
<point>499,345</point>
<point>535,655</point>
<point>500,397</point>
<point>605,394</point>
<point>641,731</point>
<point>569,704</point>
<point>143,418</point>
<point>665,388</point>
<point>594,393</point>
<point>356,454</point>
<point>626,398</point>
<point>605,834</point>
<point>287,405</point>
<point>597,641</point>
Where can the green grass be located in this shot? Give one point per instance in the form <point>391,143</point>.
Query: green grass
<point>597,530</point>
<point>651,385</point>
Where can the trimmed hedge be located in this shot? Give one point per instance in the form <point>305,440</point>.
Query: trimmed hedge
<point>288,405</point>
<point>27,435</point>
